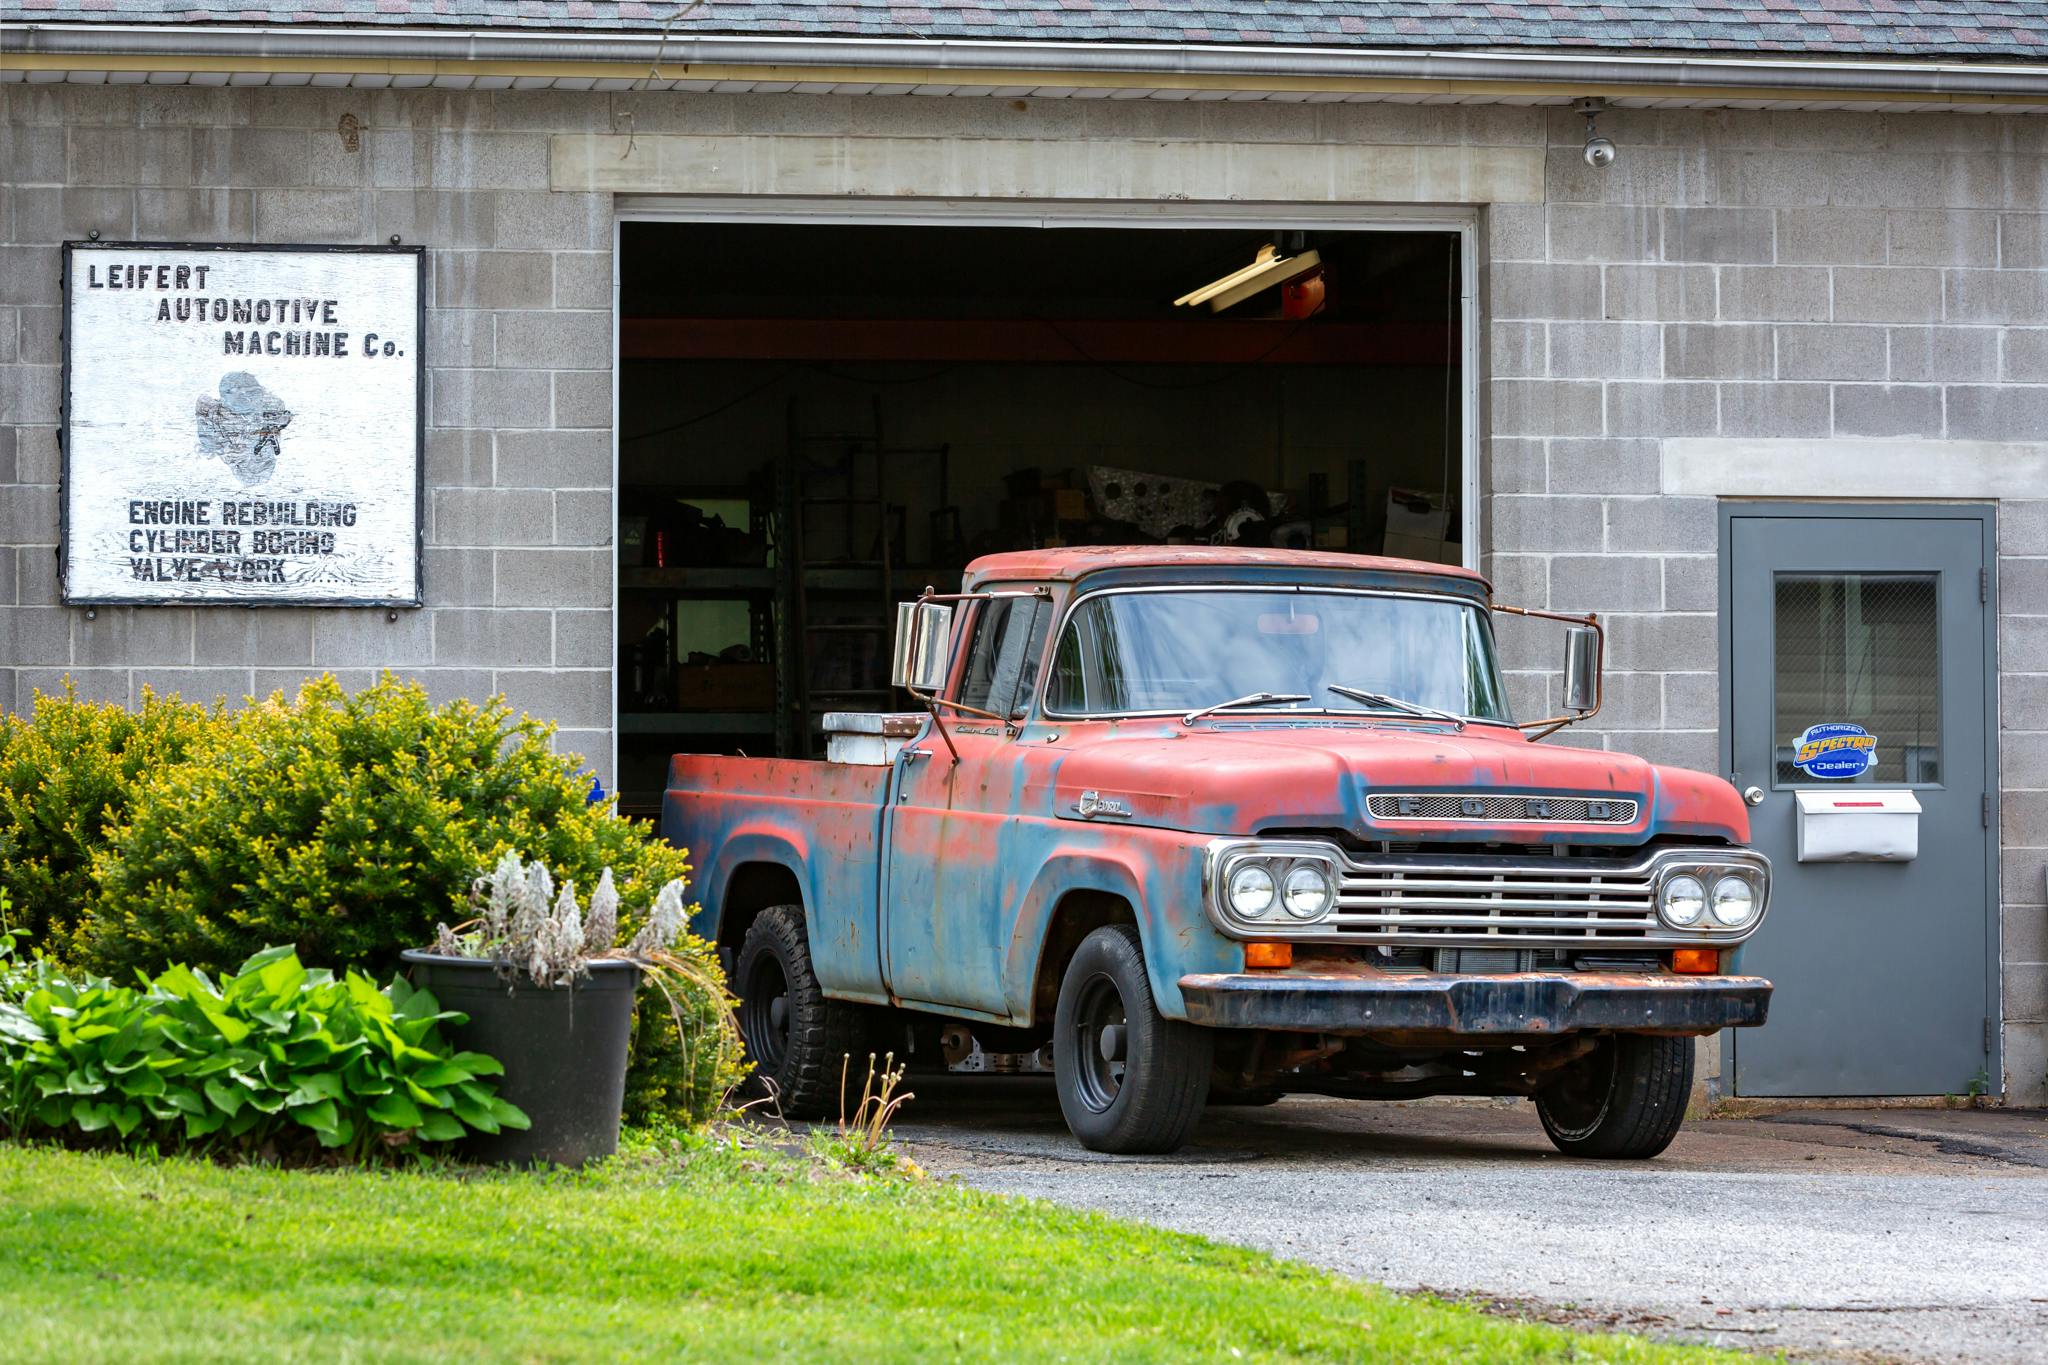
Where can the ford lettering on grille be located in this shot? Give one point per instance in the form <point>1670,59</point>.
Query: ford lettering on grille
<point>1458,807</point>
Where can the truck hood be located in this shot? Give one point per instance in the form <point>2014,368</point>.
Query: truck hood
<point>1254,777</point>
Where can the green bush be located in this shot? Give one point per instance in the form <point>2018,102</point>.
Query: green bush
<point>66,774</point>
<point>273,1061</point>
<point>343,826</point>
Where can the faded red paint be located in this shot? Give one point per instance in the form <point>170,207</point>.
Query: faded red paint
<point>1065,565</point>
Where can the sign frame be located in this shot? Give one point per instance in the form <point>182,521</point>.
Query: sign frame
<point>418,252</point>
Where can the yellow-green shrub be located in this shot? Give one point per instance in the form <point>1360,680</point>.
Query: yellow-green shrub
<point>66,772</point>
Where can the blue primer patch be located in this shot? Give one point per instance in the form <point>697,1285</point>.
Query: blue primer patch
<point>1835,750</point>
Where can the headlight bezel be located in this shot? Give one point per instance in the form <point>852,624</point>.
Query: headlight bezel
<point>1280,861</point>
<point>1709,873</point>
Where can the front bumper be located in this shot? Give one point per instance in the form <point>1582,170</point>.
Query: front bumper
<point>1510,1003</point>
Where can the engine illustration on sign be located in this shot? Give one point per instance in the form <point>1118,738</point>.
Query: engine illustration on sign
<point>243,426</point>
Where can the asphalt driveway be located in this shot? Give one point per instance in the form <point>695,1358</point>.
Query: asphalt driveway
<point>1917,1235</point>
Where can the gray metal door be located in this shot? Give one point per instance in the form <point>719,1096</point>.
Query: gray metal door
<point>1857,637</point>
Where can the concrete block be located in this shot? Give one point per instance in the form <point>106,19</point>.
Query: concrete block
<point>270,637</point>
<point>493,638</point>
<point>203,685</point>
<point>2003,296</point>
<point>1769,178</point>
<point>458,457</point>
<point>554,578</point>
<point>9,561</point>
<point>545,221</point>
<point>394,156</point>
<point>35,635</point>
<point>492,516</point>
<point>345,638</point>
<point>1516,350</point>
<point>549,110</point>
<point>459,576</point>
<point>2022,819</point>
<point>2022,872</point>
<point>1943,237</point>
<point>555,459</point>
<point>1608,583</point>
<point>1665,642</point>
<point>333,164</point>
<point>1775,293</point>
<point>1605,466</point>
<point>1515,465</point>
<point>583,279</point>
<point>491,161</point>
<point>1698,750</point>
<point>1891,179</point>
<point>2022,241</point>
<point>461,338</point>
<point>584,639</point>
<point>1544,291</point>
<point>2023,356</point>
<point>1775,409</point>
<point>29,394</point>
<point>2024,991</point>
<point>583,399</point>
<point>1519,580</point>
<point>2022,527</point>
<point>35,156</point>
<point>2024,1052</point>
<point>1937,354</point>
<point>584,517</point>
<point>35,568</point>
<point>488,398</point>
<point>1660,409</point>
<point>1993,412</point>
<point>1605,232</point>
<point>1606,350</point>
<point>1524,524</point>
<point>128,156</point>
<point>253,158</point>
<point>571,699</point>
<point>1514,232</point>
<point>1648,175</point>
<point>1661,293</point>
<point>283,215</point>
<point>57,215</point>
<point>1871,294</point>
<point>1831,236</point>
<point>195,215</point>
<point>2023,761</point>
<point>1719,235</point>
<point>2023,648</point>
<point>591,751</point>
<point>41,333</point>
<point>1692,701</point>
<point>1887,410</point>
<point>556,340</point>
<point>448,220</point>
<point>92,684</point>
<point>493,279</point>
<point>1662,525</point>
<point>2023,697</point>
<point>1705,350</point>
<point>28,515</point>
<point>1544,407</point>
<point>1823,352</point>
<point>31,274</point>
<point>125,637</point>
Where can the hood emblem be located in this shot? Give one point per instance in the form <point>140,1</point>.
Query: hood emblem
<point>1093,804</point>
<point>1501,808</point>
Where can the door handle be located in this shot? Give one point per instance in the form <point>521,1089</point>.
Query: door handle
<point>1753,795</point>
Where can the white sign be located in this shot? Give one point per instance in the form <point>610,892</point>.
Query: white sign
<point>242,424</point>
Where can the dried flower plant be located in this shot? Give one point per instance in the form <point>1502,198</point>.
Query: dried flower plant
<point>530,928</point>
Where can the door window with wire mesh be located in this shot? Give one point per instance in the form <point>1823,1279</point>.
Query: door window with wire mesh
<point>1861,650</point>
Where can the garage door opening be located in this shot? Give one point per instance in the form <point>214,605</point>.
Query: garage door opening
<point>816,420</point>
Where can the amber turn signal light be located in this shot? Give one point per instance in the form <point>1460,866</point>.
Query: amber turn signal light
<point>1696,961</point>
<point>1269,954</point>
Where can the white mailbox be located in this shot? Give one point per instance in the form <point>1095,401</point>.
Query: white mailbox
<point>1858,825</point>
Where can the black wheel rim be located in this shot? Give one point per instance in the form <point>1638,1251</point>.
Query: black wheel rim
<point>764,1012</point>
<point>1101,1041</point>
<point>1576,1104</point>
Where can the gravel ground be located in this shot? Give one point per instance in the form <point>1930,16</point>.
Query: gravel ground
<point>1830,1235</point>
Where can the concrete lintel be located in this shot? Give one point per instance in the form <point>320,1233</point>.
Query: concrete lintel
<point>1852,468</point>
<point>1005,168</point>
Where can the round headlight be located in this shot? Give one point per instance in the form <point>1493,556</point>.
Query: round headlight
<point>1251,891</point>
<point>1306,892</point>
<point>1734,902</point>
<point>1685,900</point>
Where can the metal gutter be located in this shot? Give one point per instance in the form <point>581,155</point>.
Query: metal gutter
<point>983,62</point>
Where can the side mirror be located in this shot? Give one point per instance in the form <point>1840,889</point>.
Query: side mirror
<point>923,632</point>
<point>1582,670</point>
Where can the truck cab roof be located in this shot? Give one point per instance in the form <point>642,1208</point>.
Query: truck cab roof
<point>1068,564</point>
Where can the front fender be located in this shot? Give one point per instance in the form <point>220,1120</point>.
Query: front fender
<point>1159,874</point>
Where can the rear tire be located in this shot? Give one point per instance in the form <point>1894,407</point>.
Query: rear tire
<point>1624,1102</point>
<point>795,1037</point>
<point>1129,1079</point>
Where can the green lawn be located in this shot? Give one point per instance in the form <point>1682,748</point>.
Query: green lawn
<point>713,1254</point>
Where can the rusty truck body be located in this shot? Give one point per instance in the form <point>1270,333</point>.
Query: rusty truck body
<point>1223,824</point>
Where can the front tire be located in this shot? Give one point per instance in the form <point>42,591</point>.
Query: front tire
<point>1623,1102</point>
<point>1130,1080</point>
<point>796,1038</point>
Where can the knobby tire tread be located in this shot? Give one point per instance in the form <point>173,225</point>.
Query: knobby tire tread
<point>822,1031</point>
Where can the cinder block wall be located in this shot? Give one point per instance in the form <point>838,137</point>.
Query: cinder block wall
<point>1750,274</point>
<point>519,330</point>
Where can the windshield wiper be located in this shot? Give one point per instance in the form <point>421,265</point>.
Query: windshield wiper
<point>1250,699</point>
<point>1386,703</point>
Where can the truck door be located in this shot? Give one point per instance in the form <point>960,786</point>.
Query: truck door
<point>945,910</point>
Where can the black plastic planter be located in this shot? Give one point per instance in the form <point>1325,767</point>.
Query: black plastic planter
<point>564,1050</point>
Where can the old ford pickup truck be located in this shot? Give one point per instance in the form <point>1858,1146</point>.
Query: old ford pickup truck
<point>1224,824</point>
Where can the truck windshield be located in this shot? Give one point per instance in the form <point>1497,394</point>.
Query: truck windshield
<point>1125,653</point>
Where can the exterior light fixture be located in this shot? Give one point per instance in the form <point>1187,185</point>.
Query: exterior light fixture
<point>1599,151</point>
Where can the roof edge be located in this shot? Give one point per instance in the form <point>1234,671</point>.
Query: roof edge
<point>399,50</point>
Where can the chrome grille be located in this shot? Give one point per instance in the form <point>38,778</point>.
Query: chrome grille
<point>1464,806</point>
<point>1529,902</point>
